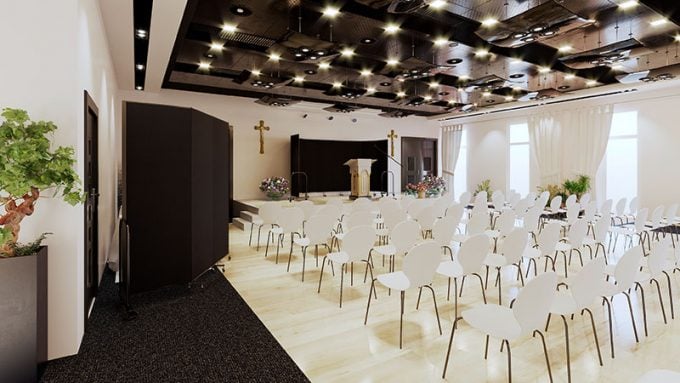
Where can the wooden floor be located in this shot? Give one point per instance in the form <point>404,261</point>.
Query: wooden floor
<point>331,344</point>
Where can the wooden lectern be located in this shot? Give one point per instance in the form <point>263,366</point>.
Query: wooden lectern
<point>360,171</point>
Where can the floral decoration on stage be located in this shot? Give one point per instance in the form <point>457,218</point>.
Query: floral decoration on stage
<point>430,186</point>
<point>275,187</point>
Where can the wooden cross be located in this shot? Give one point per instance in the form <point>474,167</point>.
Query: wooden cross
<point>261,128</point>
<point>392,136</point>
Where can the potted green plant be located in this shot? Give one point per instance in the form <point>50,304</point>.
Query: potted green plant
<point>484,186</point>
<point>28,168</point>
<point>579,186</point>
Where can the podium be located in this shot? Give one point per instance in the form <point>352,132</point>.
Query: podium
<point>360,172</point>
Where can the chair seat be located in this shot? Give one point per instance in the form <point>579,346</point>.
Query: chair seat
<point>564,304</point>
<point>339,236</point>
<point>493,233</point>
<point>459,238</point>
<point>276,230</point>
<point>339,257</point>
<point>302,241</point>
<point>494,320</point>
<point>590,242</point>
<point>451,269</point>
<point>257,220</point>
<point>495,260</point>
<point>382,232</point>
<point>395,281</point>
<point>609,289</point>
<point>563,246</point>
<point>532,253</point>
<point>385,250</point>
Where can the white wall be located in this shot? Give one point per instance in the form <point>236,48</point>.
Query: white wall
<point>659,140</point>
<point>250,167</point>
<point>62,50</point>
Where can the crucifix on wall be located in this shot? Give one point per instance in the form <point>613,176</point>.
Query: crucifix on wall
<point>392,136</point>
<point>262,129</point>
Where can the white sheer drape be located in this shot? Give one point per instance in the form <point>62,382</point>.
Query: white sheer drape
<point>451,140</point>
<point>545,143</point>
<point>586,135</point>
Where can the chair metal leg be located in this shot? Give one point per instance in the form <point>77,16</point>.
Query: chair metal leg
<point>259,230</point>
<point>498,282</point>
<point>519,273</point>
<point>436,310</point>
<point>290,255</point>
<point>455,297</point>
<point>420,292</point>
<point>611,329</point>
<point>462,283</point>
<point>448,350</point>
<point>323,264</point>
<point>644,306</point>
<point>547,322</point>
<point>401,320</point>
<point>304,262</point>
<point>670,294</point>
<point>597,342</point>
<point>368,305</point>
<point>266,250</point>
<point>250,240</point>
<point>566,341</point>
<point>481,284</point>
<point>507,345</point>
<point>545,352</point>
<point>486,347</point>
<point>278,246</point>
<point>342,280</point>
<point>658,290</point>
<point>632,317</point>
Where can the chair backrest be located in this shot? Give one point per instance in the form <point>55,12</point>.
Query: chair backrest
<point>627,268</point>
<point>465,198</point>
<point>361,204</point>
<point>473,252</point>
<point>641,220</point>
<point>570,200</point>
<point>359,218</point>
<point>417,206</point>
<point>585,199</point>
<point>521,207</point>
<point>606,208</point>
<point>269,212</point>
<point>478,223</point>
<point>671,213</point>
<point>532,218</point>
<point>634,205</point>
<point>392,217</point>
<point>658,257</point>
<point>556,203</point>
<point>620,208</point>
<point>444,229</point>
<point>480,208</point>
<point>505,222</point>
<point>498,199</point>
<point>514,198</point>
<point>482,198</point>
<point>330,209</point>
<point>577,233</point>
<point>456,211</point>
<point>601,229</point>
<point>358,242</point>
<point>514,244</point>
<point>657,216</point>
<point>590,210</point>
<point>534,301</point>
<point>442,203</point>
<point>404,235</point>
<point>586,285</point>
<point>388,203</point>
<point>532,196</point>
<point>318,228</point>
<point>548,238</point>
<point>406,202</point>
<point>426,217</point>
<point>290,219</point>
<point>572,212</point>
<point>542,200</point>
<point>308,208</point>
<point>421,263</point>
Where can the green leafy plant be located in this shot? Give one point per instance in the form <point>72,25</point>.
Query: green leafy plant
<point>577,186</point>
<point>484,186</point>
<point>28,166</point>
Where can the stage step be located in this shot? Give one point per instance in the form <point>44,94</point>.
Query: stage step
<point>241,223</point>
<point>247,215</point>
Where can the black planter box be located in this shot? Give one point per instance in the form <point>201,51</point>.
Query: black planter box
<point>23,309</point>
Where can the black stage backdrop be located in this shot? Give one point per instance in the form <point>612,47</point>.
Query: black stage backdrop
<point>323,161</point>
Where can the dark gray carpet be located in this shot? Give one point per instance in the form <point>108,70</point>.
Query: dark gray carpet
<point>204,334</point>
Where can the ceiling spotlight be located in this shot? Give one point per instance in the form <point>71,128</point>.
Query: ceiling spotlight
<point>481,52</point>
<point>659,22</point>
<point>216,47</point>
<point>256,72</point>
<point>489,22</point>
<point>139,66</point>
<point>337,85</point>
<point>367,40</point>
<point>401,93</point>
<point>331,11</point>
<point>366,72</point>
<point>370,90</point>
<point>436,4</point>
<point>570,76</point>
<point>324,65</point>
<point>240,10</point>
<point>439,41</point>
<point>509,98</point>
<point>347,52</point>
<point>434,85</point>
<point>230,28</point>
<point>544,69</point>
<point>391,28</point>
<point>591,82</point>
<point>204,65</point>
<point>139,87</point>
<point>628,4</point>
<point>298,79</point>
<point>275,57</point>
<point>565,48</point>
<point>141,33</point>
<point>392,62</point>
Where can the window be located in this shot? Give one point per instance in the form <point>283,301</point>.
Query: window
<point>621,158</point>
<point>460,172</point>
<point>519,166</point>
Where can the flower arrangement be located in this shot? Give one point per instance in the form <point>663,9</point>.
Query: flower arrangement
<point>435,185</point>
<point>484,186</point>
<point>275,187</point>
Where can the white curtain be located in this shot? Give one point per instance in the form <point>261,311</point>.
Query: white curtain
<point>451,140</point>
<point>586,134</point>
<point>546,145</point>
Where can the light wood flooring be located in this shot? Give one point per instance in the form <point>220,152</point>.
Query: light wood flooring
<point>331,344</point>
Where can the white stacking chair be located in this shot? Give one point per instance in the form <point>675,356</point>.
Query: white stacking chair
<point>589,212</point>
<point>504,224</point>
<point>526,316</point>
<point>546,247</point>
<point>521,208</point>
<point>358,218</point>
<point>356,246</point>
<point>671,214</point>
<point>416,207</point>
<point>477,224</point>
<point>266,216</point>
<point>390,219</point>
<point>334,211</point>
<point>555,205</point>
<point>443,231</point>
<point>542,199</point>
<point>655,222</point>
<point>600,230</point>
<point>658,265</point>
<point>406,202</point>
<point>572,242</point>
<point>513,199</point>
<point>509,253</point>
<point>308,208</point>
<point>468,261</point>
<point>426,218</point>
<point>404,235</point>
<point>465,198</point>
<point>633,208</point>
<point>532,221</point>
<point>482,198</point>
<point>585,199</point>
<point>419,268</point>
<point>582,291</point>
<point>605,210</point>
<point>289,222</point>
<point>317,233</point>
<point>624,273</point>
<point>456,210</point>
<point>619,211</point>
<point>498,200</point>
<point>571,200</point>
<point>639,230</point>
<point>442,203</point>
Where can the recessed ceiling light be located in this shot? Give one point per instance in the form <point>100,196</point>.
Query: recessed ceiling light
<point>310,71</point>
<point>204,65</point>
<point>216,47</point>
<point>436,4</point>
<point>256,72</point>
<point>298,79</point>
<point>439,41</point>
<point>209,55</point>
<point>591,82</point>
<point>659,22</point>
<point>401,93</point>
<point>509,98</point>
<point>139,66</point>
<point>347,52</point>
<point>392,62</point>
<point>434,85</point>
<point>628,4</point>
<point>489,21</point>
<point>570,76</point>
<point>443,93</point>
<point>324,65</point>
<point>366,72</point>
<point>337,85</point>
<point>391,28</point>
<point>385,83</point>
<point>139,87</point>
<point>240,10</point>
<point>427,98</point>
<point>454,61</point>
<point>370,90</point>
<point>563,87</point>
<point>141,33</point>
<point>367,40</point>
<point>275,57</point>
<point>481,52</point>
<point>330,11</point>
<point>565,48</point>
<point>230,28</point>
<point>544,69</point>
<point>517,75</point>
